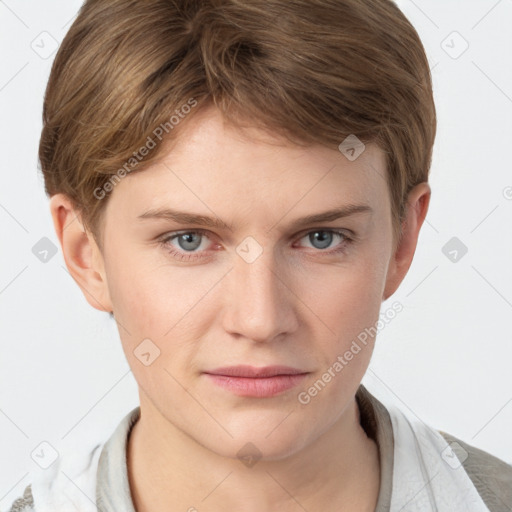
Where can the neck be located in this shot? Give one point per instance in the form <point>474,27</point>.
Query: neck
<point>165,466</point>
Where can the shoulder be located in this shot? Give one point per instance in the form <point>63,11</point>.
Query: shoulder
<point>491,476</point>
<point>25,503</point>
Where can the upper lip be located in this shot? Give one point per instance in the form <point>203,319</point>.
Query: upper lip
<point>255,372</point>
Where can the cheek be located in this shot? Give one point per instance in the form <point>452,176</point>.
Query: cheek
<point>153,296</point>
<point>154,310</point>
<point>348,303</point>
<point>167,305</point>
<point>347,298</point>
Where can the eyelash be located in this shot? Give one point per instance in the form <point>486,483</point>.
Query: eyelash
<point>191,256</point>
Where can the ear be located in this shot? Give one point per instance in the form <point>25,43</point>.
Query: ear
<point>81,253</point>
<point>417,207</point>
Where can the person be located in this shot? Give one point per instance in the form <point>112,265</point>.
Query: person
<point>241,185</point>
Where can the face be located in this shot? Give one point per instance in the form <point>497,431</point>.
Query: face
<point>254,286</point>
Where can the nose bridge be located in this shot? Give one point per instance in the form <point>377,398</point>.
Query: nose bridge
<point>259,304</point>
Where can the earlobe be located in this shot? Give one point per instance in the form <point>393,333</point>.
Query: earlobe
<point>400,262</point>
<point>81,254</point>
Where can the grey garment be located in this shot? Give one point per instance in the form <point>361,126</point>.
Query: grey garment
<point>491,476</point>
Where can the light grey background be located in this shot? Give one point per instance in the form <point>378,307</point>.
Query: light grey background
<point>446,357</point>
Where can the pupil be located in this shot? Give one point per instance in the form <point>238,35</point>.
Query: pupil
<point>324,238</point>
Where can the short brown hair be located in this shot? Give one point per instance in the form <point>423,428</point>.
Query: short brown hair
<point>314,71</point>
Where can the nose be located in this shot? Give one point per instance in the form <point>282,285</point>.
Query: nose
<point>259,301</point>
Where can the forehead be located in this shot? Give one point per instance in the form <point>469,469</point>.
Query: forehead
<point>212,167</point>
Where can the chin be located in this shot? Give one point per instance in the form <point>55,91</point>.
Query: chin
<point>271,439</point>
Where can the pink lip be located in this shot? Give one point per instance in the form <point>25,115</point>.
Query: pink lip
<point>256,382</point>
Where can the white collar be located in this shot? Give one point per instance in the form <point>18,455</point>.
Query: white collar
<point>427,475</point>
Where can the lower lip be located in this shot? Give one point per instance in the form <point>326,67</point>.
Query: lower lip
<point>261,387</point>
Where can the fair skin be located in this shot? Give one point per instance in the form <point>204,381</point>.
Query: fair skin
<point>298,303</point>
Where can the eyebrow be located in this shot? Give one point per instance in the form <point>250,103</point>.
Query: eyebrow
<point>189,218</point>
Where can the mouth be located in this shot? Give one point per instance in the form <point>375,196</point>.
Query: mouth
<point>250,381</point>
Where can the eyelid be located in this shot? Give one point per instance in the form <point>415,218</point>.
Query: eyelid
<point>346,232</point>
<point>170,234</point>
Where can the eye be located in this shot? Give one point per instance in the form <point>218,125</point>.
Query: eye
<point>321,239</point>
<point>187,244</point>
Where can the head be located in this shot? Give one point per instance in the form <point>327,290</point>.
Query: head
<point>255,115</point>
